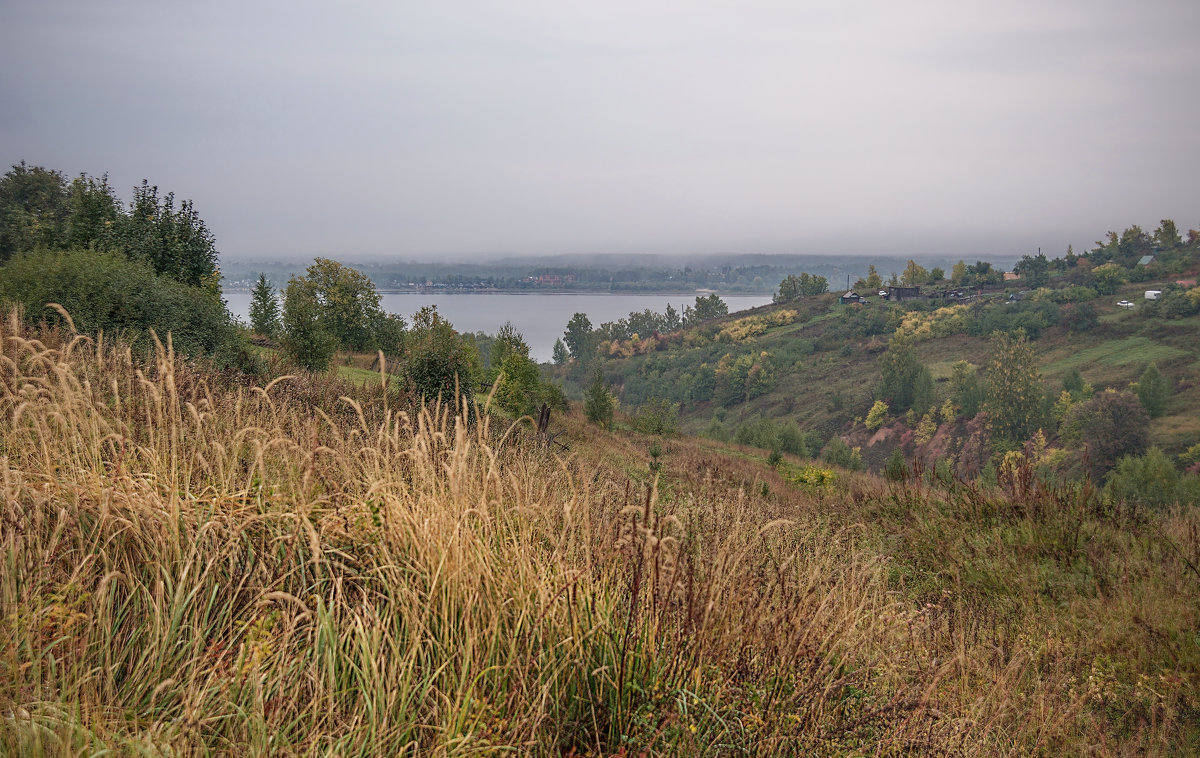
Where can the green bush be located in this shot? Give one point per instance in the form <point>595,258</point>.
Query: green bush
<point>839,453</point>
<point>1148,479</point>
<point>105,292</point>
<point>658,416</point>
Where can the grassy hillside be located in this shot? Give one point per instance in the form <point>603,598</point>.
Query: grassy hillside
<point>193,566</point>
<point>815,363</point>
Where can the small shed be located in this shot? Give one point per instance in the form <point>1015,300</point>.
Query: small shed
<point>850,297</point>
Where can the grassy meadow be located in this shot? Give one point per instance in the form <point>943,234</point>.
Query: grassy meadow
<point>192,565</point>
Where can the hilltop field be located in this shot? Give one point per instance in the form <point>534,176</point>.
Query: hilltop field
<point>200,565</point>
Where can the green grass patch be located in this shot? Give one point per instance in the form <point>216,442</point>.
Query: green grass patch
<point>1131,350</point>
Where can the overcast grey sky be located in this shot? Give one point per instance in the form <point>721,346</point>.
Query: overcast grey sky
<point>449,129</point>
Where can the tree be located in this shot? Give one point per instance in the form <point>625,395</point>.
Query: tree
<point>346,304</point>
<point>437,360</point>
<point>873,281</point>
<point>264,307</point>
<point>176,242</point>
<point>709,307</point>
<point>93,212</point>
<point>1152,390</point>
<point>33,210</point>
<point>903,378</point>
<point>936,274</point>
<point>1112,424</point>
<point>1108,278</point>
<point>1034,270</point>
<point>671,320</point>
<point>965,390</point>
<point>1148,479</point>
<point>914,274</point>
<point>561,356</point>
<point>598,402</point>
<point>1014,388</point>
<point>805,285</point>
<point>1167,235</point>
<point>579,337</point>
<point>307,341</point>
<point>958,273</point>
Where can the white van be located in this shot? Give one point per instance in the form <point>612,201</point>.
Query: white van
<point>1153,294</point>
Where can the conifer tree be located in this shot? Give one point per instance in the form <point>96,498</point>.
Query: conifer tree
<point>264,308</point>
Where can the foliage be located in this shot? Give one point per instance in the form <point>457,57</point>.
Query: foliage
<point>658,416</point>
<point>264,307</point>
<point>598,402</point>
<point>896,469</point>
<point>39,210</point>
<point>1153,390</point>
<point>579,337</point>
<point>175,241</point>
<point>1108,278</point>
<point>805,285</point>
<point>904,380</point>
<point>560,354</point>
<point>707,308</point>
<point>1147,479</point>
<point>839,453</point>
<point>306,340</point>
<point>1014,388</point>
<point>877,416</point>
<point>104,292</point>
<point>345,303</point>
<point>1111,425</point>
<point>438,363</point>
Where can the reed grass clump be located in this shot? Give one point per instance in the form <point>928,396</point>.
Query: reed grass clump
<point>194,566</point>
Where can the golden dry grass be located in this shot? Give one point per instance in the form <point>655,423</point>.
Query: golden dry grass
<point>190,566</point>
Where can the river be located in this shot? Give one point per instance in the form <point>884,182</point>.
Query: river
<point>540,318</point>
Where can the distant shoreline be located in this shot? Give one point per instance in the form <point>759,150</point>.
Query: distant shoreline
<point>618,293</point>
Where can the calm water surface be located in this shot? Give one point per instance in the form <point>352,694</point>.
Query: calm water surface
<point>540,318</point>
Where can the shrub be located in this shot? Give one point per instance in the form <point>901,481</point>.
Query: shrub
<point>1148,479</point>
<point>839,453</point>
<point>104,292</point>
<point>877,415</point>
<point>598,403</point>
<point>658,416</point>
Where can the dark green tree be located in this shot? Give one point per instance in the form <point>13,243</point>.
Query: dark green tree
<point>438,362</point>
<point>175,241</point>
<point>904,381</point>
<point>307,340</point>
<point>264,307</point>
<point>1153,389</point>
<point>709,307</point>
<point>33,210</point>
<point>93,212</point>
<point>345,301</point>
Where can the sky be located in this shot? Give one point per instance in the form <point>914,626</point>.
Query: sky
<point>458,130</point>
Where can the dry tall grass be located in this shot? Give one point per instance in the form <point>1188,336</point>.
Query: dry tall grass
<point>189,566</point>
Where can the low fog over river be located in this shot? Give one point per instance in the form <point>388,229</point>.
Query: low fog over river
<point>540,318</point>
